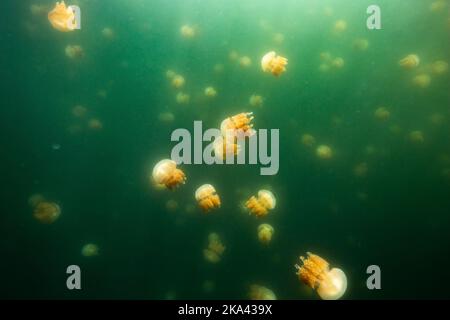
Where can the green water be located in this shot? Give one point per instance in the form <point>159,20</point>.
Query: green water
<point>396,216</point>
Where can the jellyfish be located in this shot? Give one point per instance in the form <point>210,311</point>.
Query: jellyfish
<point>35,199</point>
<point>324,152</point>
<point>439,67</point>
<point>245,61</point>
<point>62,18</point>
<point>166,173</point>
<point>315,272</point>
<point>79,111</point>
<point>360,170</point>
<point>437,119</point>
<point>258,292</point>
<point>278,38</point>
<point>207,197</point>
<point>95,124</point>
<point>233,55</point>
<point>410,61</point>
<point>74,51</point>
<point>422,80</point>
<point>308,140</point>
<point>182,98</point>
<point>382,113</point>
<point>274,64</point>
<point>210,92</point>
<point>262,204</point>
<point>188,31</point>
<point>102,93</point>
<point>325,56</point>
<point>108,33</point>
<point>218,68</point>
<point>170,74</point>
<point>166,117</point>
<point>437,6</point>
<point>238,124</point>
<point>215,248</point>
<point>225,147</point>
<point>340,26</point>
<point>416,136</point>
<point>361,44</point>
<point>256,100</point>
<point>89,250</point>
<point>178,81</point>
<point>265,233</point>
<point>46,212</point>
<point>337,63</point>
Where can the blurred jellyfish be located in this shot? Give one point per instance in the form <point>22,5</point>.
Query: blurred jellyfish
<point>265,233</point>
<point>422,80</point>
<point>338,63</point>
<point>328,11</point>
<point>416,136</point>
<point>95,124</point>
<point>188,31</point>
<point>46,212</point>
<point>218,68</point>
<point>382,113</point>
<point>361,44</point>
<point>238,124</point>
<point>79,111</point>
<point>210,92</point>
<point>102,93</point>
<point>437,119</point>
<point>207,198</point>
<point>339,26</point>
<point>256,100</point>
<point>439,67</point>
<point>438,6</point>
<point>62,18</point>
<point>35,199</point>
<point>182,98</point>
<point>108,33</point>
<point>308,140</point>
<point>74,51</point>
<point>315,272</point>
<point>171,205</point>
<point>245,61</point>
<point>166,117</point>
<point>262,204</point>
<point>178,81</point>
<point>213,253</point>
<point>274,64</point>
<point>410,61</point>
<point>89,250</point>
<point>258,292</point>
<point>325,56</point>
<point>361,169</point>
<point>166,173</point>
<point>324,152</point>
<point>225,148</point>
<point>233,55</point>
<point>278,38</point>
<point>170,74</point>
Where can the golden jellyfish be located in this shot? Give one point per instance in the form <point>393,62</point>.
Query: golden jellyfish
<point>278,38</point>
<point>245,61</point>
<point>95,124</point>
<point>170,74</point>
<point>79,111</point>
<point>188,31</point>
<point>74,51</point>
<point>238,124</point>
<point>225,147</point>
<point>382,113</point>
<point>324,152</point>
<point>108,33</point>
<point>258,292</point>
<point>166,173</point>
<point>338,63</point>
<point>417,136</point>
<point>46,212</point>
<point>361,44</point>
<point>62,18</point>
<point>422,80</point>
<point>233,55</point>
<point>265,233</point>
<point>256,100</point>
<point>315,272</point>
<point>207,197</point>
<point>410,61</point>
<point>182,98</point>
<point>89,250</point>
<point>213,253</point>
<point>210,92</point>
<point>274,64</point>
<point>178,81</point>
<point>166,117</point>
<point>308,140</point>
<point>361,169</point>
<point>340,26</point>
<point>325,56</point>
<point>262,204</point>
<point>439,67</point>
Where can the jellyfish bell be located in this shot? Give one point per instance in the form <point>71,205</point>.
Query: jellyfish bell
<point>211,256</point>
<point>361,169</point>
<point>256,100</point>
<point>166,117</point>
<point>188,31</point>
<point>439,67</point>
<point>260,205</point>
<point>218,68</point>
<point>170,74</point>
<point>338,63</point>
<point>382,113</point>
<point>178,81</point>
<point>258,292</point>
<point>89,250</point>
<point>422,80</point>
<point>339,26</point>
<point>210,92</point>
<point>308,140</point>
<point>207,197</point>
<point>79,111</point>
<point>265,233</point>
<point>95,124</point>
<point>108,33</point>
<point>278,38</point>
<point>74,51</point>
<point>182,98</point>
<point>361,44</point>
<point>417,136</point>
<point>35,199</point>
<point>225,147</point>
<point>410,61</point>
<point>62,18</point>
<point>315,272</point>
<point>324,152</point>
<point>239,124</point>
<point>47,212</point>
<point>245,61</point>
<point>166,173</point>
<point>274,64</point>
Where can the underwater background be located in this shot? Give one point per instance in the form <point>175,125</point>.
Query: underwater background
<point>383,198</point>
